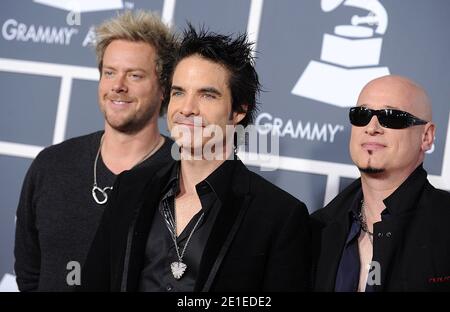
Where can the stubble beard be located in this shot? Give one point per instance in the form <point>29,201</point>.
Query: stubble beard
<point>133,123</point>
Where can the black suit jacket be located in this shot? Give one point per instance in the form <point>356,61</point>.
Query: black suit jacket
<point>412,245</point>
<point>260,240</point>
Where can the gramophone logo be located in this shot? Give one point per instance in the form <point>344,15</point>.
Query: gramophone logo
<point>350,57</point>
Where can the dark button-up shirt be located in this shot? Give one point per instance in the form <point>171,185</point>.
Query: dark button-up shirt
<point>160,249</point>
<point>347,278</point>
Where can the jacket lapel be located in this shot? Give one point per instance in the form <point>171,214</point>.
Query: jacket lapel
<point>388,249</point>
<point>332,242</point>
<point>138,231</point>
<point>225,227</point>
<point>332,236</point>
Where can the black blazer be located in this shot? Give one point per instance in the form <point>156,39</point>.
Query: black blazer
<point>412,246</point>
<point>260,240</point>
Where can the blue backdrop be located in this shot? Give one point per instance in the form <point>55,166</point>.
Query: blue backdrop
<point>313,58</point>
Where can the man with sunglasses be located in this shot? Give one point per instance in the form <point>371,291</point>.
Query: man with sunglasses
<point>389,230</point>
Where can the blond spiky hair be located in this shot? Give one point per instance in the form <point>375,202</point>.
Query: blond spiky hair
<point>138,26</point>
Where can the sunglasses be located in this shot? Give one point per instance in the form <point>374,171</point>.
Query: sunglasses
<point>388,118</point>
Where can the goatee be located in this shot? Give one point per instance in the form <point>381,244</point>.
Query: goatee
<point>371,170</point>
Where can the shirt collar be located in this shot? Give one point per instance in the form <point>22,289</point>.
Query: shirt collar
<point>355,206</point>
<point>219,181</point>
<point>405,197</point>
<point>172,186</point>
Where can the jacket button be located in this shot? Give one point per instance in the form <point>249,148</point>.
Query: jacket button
<point>380,234</point>
<point>388,234</point>
<point>169,287</point>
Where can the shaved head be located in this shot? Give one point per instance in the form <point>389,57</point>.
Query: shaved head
<point>382,151</point>
<point>405,94</point>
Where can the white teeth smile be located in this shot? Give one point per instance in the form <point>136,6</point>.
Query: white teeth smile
<point>120,102</point>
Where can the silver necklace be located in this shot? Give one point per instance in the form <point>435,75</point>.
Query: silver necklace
<point>363,222</point>
<point>97,190</point>
<point>178,267</point>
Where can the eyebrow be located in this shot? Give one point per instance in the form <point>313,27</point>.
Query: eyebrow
<point>387,107</point>
<point>392,107</point>
<point>126,69</point>
<point>201,90</point>
<point>210,90</point>
<point>177,88</point>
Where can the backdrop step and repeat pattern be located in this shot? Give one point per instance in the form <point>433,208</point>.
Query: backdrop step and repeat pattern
<point>313,57</point>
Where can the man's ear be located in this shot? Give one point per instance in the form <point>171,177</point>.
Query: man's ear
<point>238,116</point>
<point>428,136</point>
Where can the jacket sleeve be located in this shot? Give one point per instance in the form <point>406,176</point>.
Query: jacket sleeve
<point>289,262</point>
<point>26,246</point>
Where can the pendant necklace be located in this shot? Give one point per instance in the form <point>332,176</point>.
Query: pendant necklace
<point>96,190</point>
<point>178,267</point>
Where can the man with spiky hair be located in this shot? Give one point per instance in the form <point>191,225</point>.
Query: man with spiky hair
<point>67,185</point>
<point>205,223</point>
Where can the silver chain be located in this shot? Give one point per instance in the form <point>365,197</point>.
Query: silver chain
<point>174,231</point>
<point>102,191</point>
<point>363,222</point>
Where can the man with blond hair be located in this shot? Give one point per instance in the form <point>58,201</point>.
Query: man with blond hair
<point>67,186</point>
<point>388,230</point>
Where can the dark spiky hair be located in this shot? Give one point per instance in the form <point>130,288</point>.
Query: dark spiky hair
<point>233,53</point>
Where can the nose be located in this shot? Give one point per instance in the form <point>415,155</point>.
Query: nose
<point>374,127</point>
<point>119,84</point>
<point>189,106</point>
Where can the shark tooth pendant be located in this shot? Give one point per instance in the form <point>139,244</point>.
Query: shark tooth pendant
<point>178,269</point>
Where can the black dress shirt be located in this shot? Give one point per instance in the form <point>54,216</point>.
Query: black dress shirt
<point>347,278</point>
<point>160,250</point>
<point>259,241</point>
